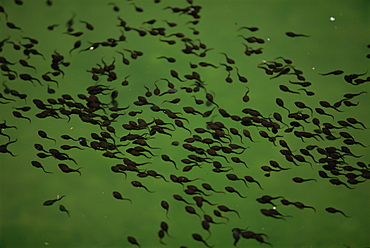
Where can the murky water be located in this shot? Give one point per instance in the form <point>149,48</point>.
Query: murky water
<point>338,40</point>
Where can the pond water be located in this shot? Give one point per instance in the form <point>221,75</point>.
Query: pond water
<point>126,50</point>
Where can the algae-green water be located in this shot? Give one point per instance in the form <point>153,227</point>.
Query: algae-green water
<point>337,39</point>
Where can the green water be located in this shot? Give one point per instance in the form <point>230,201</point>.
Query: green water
<point>99,220</point>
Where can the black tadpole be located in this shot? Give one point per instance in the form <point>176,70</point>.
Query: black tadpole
<point>63,209</point>
<point>206,186</point>
<point>166,158</point>
<point>43,135</point>
<point>301,180</point>
<point>191,210</point>
<point>75,46</point>
<point>66,169</point>
<point>199,238</point>
<point>280,103</point>
<point>39,165</point>
<point>234,177</point>
<point>209,97</point>
<point>118,196</point>
<point>232,190</point>
<point>140,185</point>
<point>4,148</point>
<point>133,241</point>
<point>19,115</point>
<point>252,180</point>
<point>27,77</point>
<point>291,34</point>
<point>166,206</point>
<point>4,126</point>
<point>226,209</point>
<point>51,202</point>
<point>333,211</point>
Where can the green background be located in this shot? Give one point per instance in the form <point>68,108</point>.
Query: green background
<point>99,220</point>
